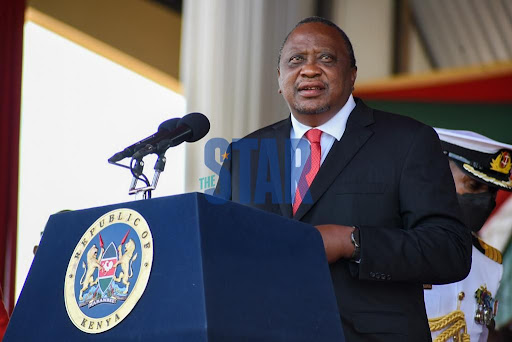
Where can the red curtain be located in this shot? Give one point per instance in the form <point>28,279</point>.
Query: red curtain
<point>12,14</point>
<point>493,88</point>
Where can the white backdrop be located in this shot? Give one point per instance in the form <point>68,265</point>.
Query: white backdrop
<point>78,109</point>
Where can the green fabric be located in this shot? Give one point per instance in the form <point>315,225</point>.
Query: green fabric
<point>491,120</point>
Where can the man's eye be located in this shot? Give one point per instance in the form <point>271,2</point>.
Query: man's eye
<point>475,186</point>
<point>296,59</point>
<point>326,58</point>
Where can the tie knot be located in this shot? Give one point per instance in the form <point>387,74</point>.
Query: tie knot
<point>313,135</point>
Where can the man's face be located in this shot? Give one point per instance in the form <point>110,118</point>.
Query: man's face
<point>315,76</point>
<point>476,199</point>
<point>465,184</point>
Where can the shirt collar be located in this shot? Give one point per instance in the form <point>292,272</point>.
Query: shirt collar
<point>334,127</point>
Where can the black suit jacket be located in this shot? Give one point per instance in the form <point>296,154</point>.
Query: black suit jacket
<point>388,176</point>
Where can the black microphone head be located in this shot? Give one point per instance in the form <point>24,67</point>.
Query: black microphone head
<point>199,124</point>
<point>169,125</point>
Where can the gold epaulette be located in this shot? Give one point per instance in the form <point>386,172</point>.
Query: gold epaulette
<point>491,252</point>
<point>453,326</point>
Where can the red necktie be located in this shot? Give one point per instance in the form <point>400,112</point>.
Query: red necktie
<point>306,178</point>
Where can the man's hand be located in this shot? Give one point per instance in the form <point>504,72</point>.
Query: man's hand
<point>337,242</point>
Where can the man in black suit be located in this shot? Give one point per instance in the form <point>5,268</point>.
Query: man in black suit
<point>376,185</point>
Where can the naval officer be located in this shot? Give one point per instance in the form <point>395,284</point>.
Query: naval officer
<point>480,167</point>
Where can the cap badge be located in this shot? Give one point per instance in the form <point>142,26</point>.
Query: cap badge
<point>502,163</point>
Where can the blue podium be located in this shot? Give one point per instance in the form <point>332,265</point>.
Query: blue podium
<point>220,272</point>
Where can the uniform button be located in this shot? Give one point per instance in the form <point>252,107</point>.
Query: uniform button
<point>372,274</point>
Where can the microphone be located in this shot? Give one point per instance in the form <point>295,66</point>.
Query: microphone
<point>172,132</point>
<point>163,132</point>
<point>168,125</point>
<point>190,128</point>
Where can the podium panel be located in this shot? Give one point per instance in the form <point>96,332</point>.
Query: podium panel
<point>219,272</point>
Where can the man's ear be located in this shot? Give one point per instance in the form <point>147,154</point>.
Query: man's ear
<point>353,75</point>
<point>278,82</point>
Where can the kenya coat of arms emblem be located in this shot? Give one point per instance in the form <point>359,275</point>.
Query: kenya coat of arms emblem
<point>103,284</point>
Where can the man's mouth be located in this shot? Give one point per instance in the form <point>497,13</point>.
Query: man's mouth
<point>311,89</point>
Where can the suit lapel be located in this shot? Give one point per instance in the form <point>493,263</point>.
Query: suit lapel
<point>282,134</point>
<point>341,153</point>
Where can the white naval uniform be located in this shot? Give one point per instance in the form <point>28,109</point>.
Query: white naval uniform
<point>442,299</point>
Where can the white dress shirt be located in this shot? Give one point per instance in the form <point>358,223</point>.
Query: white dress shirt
<point>300,150</point>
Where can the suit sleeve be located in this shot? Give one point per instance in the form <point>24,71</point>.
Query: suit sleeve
<point>433,246</point>
<point>224,186</point>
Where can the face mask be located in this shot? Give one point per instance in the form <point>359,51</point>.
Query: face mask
<point>476,208</point>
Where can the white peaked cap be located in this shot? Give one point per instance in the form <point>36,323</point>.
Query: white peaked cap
<point>471,140</point>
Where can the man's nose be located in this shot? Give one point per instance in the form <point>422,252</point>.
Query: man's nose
<point>310,69</point>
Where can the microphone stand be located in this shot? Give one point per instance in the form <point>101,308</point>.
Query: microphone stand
<point>179,130</point>
<point>137,172</point>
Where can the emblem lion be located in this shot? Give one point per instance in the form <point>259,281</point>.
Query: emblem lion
<point>87,279</point>
<point>126,260</point>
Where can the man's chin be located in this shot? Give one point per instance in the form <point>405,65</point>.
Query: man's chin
<point>312,110</point>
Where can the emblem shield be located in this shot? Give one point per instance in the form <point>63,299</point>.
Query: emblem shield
<point>107,272</point>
